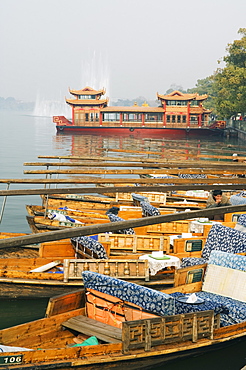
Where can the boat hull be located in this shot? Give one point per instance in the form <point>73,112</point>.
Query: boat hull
<point>132,361</point>
<point>160,132</point>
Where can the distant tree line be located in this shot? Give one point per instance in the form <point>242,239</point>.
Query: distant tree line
<point>13,104</point>
<point>226,88</point>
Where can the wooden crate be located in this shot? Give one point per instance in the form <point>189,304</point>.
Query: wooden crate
<point>135,243</point>
<point>121,268</point>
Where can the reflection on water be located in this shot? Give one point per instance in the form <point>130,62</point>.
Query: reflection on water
<point>18,311</point>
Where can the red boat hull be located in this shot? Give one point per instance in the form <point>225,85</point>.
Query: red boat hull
<point>160,132</point>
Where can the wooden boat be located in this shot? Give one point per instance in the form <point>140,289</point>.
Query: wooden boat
<point>39,221</point>
<point>121,199</point>
<point>56,267</point>
<point>115,324</point>
<point>61,263</point>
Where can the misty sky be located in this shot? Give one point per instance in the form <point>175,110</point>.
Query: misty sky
<point>131,47</point>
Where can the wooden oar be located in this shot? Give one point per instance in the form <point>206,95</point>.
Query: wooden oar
<point>93,180</point>
<point>114,226</point>
<point>118,159</point>
<point>144,163</point>
<point>120,189</point>
<point>91,171</point>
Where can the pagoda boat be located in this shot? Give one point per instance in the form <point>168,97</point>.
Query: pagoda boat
<point>177,113</point>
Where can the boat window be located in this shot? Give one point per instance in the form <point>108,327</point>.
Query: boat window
<point>194,103</point>
<point>86,97</point>
<point>111,116</point>
<point>177,102</point>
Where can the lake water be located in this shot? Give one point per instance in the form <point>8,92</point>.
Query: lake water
<point>24,138</point>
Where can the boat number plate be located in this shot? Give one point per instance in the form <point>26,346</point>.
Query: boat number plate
<point>7,360</point>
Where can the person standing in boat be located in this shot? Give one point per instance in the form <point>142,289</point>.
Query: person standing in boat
<point>217,199</point>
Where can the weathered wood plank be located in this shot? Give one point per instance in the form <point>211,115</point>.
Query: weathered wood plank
<point>112,189</point>
<point>173,171</point>
<point>88,326</point>
<point>65,302</point>
<point>93,180</point>
<point>120,268</point>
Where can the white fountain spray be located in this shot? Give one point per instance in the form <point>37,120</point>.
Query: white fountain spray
<point>95,73</point>
<point>49,108</point>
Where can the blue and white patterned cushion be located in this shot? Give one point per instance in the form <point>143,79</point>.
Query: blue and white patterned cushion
<point>149,299</point>
<point>192,261</point>
<point>90,243</point>
<point>114,218</point>
<point>181,308</point>
<point>224,239</point>
<point>231,311</point>
<point>242,220</point>
<point>148,209</point>
<point>230,260</point>
<point>236,309</point>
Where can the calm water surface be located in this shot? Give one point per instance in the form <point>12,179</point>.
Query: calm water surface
<point>23,139</point>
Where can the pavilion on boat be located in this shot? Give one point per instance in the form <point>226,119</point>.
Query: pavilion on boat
<point>176,110</point>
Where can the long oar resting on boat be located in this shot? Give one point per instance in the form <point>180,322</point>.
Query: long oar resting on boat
<point>132,324</point>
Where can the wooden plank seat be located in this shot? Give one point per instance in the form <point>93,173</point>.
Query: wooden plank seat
<point>87,326</point>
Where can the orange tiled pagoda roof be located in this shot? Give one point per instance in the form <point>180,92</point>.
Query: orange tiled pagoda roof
<point>177,95</point>
<point>87,91</point>
<point>86,102</point>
